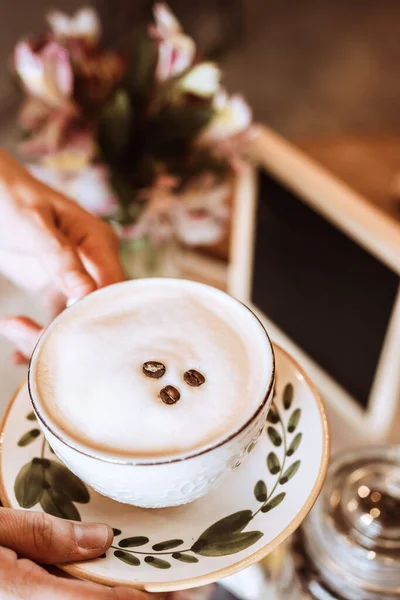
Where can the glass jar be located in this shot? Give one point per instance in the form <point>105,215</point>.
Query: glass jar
<point>349,546</point>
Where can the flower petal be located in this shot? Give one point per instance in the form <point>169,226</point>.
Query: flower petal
<point>233,115</point>
<point>30,68</point>
<point>184,50</point>
<point>166,22</point>
<point>85,24</point>
<point>91,189</point>
<point>58,73</point>
<point>203,80</point>
<point>46,75</point>
<point>165,60</point>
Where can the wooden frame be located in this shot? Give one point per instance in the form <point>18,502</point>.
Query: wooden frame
<point>363,223</point>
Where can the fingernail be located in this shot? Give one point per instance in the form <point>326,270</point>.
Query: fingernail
<point>78,283</point>
<point>91,536</point>
<point>71,302</point>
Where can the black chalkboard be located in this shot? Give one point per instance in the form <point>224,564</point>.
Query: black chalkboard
<point>330,296</point>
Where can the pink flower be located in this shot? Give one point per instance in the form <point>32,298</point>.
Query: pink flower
<point>83,25</point>
<point>202,214</point>
<point>232,117</point>
<point>46,74</point>
<point>156,221</point>
<point>197,216</point>
<point>90,187</point>
<point>176,50</point>
<point>48,138</point>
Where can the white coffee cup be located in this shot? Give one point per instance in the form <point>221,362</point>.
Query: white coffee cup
<point>160,481</point>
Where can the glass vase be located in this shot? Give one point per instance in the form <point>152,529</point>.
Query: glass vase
<point>142,258</point>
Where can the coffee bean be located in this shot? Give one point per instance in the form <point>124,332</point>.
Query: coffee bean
<point>194,378</point>
<point>169,394</point>
<point>153,369</point>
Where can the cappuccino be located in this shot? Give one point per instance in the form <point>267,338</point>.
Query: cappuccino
<point>152,369</point>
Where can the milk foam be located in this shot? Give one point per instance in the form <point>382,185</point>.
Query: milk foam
<point>89,378</point>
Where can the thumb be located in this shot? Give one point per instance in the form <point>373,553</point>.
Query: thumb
<point>49,540</point>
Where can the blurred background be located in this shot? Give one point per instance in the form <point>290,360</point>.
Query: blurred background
<point>324,74</point>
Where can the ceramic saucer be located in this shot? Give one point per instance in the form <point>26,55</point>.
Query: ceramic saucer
<point>249,515</point>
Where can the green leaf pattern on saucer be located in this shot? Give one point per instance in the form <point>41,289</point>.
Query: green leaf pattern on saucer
<point>49,483</point>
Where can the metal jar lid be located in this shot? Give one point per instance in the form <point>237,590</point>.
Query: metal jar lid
<point>353,533</point>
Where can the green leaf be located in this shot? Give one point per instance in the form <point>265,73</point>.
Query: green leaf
<point>273,415</point>
<point>133,542</point>
<point>29,437</point>
<point>67,484</point>
<point>260,491</point>
<point>228,525</point>
<point>175,126</point>
<point>157,563</point>
<point>31,416</point>
<point>186,558</point>
<point>115,126</point>
<point>288,396</point>
<point>116,532</point>
<point>294,420</point>
<point>228,544</point>
<point>28,485</point>
<point>275,501</point>
<point>274,436</point>
<point>273,463</point>
<point>290,472</point>
<point>57,505</point>
<point>167,545</point>
<point>295,444</point>
<point>43,462</point>
<point>142,56</point>
<point>126,557</point>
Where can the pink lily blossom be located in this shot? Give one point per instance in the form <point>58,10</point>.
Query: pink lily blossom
<point>176,50</point>
<point>46,74</point>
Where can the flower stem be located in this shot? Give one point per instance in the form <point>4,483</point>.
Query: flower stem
<point>282,467</point>
<point>43,447</point>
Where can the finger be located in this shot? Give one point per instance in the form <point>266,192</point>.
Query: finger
<point>21,578</point>
<point>100,255</point>
<point>49,587</point>
<point>95,240</point>
<point>78,590</point>
<point>19,359</point>
<point>60,260</point>
<point>49,540</point>
<point>204,592</point>
<point>23,332</point>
